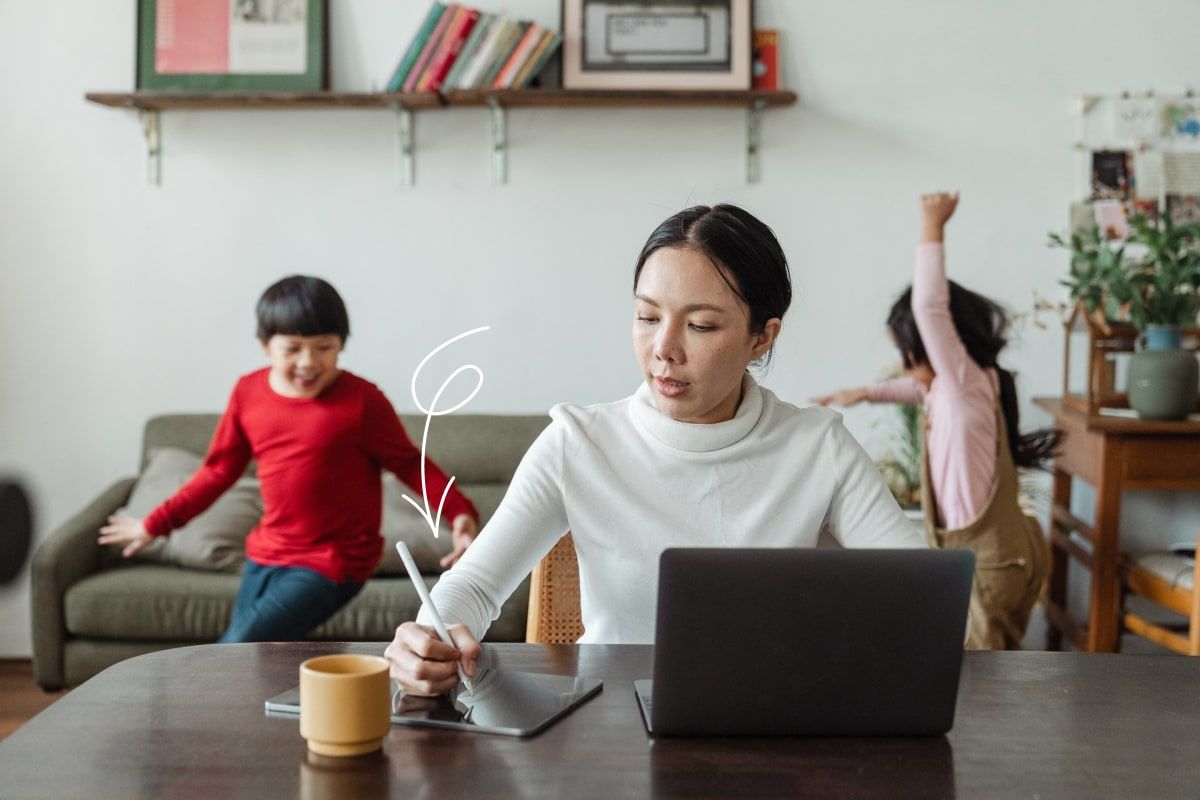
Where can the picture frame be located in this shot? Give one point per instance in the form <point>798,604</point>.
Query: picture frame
<point>657,44</point>
<point>232,45</point>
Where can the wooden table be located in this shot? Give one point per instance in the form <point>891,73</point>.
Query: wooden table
<point>1113,454</point>
<point>189,723</point>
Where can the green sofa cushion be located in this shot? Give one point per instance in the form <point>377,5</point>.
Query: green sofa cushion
<point>163,603</point>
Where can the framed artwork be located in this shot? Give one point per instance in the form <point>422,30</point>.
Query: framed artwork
<point>232,45</point>
<point>657,44</point>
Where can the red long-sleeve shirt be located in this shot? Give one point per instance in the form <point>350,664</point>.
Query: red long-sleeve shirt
<point>319,462</point>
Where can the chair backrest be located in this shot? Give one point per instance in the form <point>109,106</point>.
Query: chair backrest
<point>1161,578</point>
<point>554,616</point>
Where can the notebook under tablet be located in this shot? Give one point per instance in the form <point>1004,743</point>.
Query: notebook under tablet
<point>506,702</point>
<point>824,642</point>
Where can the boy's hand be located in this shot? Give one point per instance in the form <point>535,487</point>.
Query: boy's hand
<point>846,397</point>
<point>462,534</point>
<point>128,531</point>
<point>936,211</point>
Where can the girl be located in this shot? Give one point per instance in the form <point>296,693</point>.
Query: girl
<point>700,455</point>
<point>949,339</point>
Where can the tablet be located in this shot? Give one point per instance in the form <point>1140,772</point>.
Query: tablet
<point>504,702</point>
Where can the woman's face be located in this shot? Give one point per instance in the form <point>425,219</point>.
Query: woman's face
<point>692,338</point>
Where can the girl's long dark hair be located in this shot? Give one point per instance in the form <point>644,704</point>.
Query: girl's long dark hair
<point>980,324</point>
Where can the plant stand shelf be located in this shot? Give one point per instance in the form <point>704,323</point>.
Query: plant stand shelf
<point>149,106</point>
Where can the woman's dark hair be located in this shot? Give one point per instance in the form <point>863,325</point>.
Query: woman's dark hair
<point>980,324</point>
<point>301,305</point>
<point>743,250</point>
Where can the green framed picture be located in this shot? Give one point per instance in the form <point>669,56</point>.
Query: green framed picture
<point>232,45</point>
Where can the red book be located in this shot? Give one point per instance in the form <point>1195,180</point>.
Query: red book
<point>766,59</point>
<point>435,38</point>
<point>452,44</point>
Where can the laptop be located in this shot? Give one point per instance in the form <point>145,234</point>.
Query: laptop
<point>807,642</point>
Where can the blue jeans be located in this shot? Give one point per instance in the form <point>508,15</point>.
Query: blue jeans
<point>282,604</point>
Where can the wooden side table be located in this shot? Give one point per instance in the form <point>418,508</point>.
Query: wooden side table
<point>1112,454</point>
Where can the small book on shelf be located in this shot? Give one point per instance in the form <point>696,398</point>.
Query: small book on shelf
<point>409,59</point>
<point>525,47</point>
<point>766,59</point>
<point>456,36</point>
<point>545,48</point>
<point>485,53</point>
<point>503,53</point>
<point>467,54</point>
<point>431,46</point>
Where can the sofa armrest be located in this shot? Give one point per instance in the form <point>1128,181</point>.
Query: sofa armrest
<point>66,556</point>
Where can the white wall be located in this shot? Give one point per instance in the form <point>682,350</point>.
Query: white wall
<point>119,301</point>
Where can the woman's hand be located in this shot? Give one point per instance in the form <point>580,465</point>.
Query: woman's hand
<point>846,397</point>
<point>936,211</point>
<point>462,533</point>
<point>128,531</point>
<point>422,664</point>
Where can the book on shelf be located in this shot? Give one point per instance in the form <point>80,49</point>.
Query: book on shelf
<point>537,59</point>
<point>458,47</point>
<point>485,53</point>
<point>409,59</point>
<point>766,59</point>
<point>431,46</point>
<point>456,36</point>
<point>467,54</point>
<point>515,33</point>
<point>508,73</point>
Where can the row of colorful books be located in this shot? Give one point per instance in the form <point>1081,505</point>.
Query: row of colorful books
<point>458,47</point>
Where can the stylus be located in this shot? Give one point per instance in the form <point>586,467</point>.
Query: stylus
<point>418,583</point>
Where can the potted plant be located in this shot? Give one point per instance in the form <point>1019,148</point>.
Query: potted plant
<point>901,466</point>
<point>1152,278</point>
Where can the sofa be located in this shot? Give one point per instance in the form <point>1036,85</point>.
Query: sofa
<point>91,608</point>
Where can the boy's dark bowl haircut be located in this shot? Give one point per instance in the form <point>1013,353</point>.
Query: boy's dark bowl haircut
<point>301,305</point>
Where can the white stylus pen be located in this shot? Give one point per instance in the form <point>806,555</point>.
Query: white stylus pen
<point>418,582</point>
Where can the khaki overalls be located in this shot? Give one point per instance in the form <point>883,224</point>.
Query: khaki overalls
<point>1012,559</point>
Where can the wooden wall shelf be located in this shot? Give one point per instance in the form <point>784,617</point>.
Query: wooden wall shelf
<point>150,104</point>
<point>166,101</point>
<point>509,98</point>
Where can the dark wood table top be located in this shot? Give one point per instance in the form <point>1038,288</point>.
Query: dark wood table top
<point>189,723</point>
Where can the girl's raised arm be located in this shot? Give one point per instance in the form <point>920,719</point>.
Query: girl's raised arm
<point>931,293</point>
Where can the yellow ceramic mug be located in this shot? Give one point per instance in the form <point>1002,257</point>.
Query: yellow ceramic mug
<point>345,704</point>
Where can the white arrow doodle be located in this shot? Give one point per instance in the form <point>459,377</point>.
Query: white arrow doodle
<point>435,520</point>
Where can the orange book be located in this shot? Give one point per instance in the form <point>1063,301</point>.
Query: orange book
<point>535,56</point>
<point>766,59</point>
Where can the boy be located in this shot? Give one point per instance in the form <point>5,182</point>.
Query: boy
<point>320,436</point>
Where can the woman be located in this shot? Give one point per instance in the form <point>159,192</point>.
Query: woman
<point>700,455</point>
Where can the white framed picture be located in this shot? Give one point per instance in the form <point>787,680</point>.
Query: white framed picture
<point>657,44</point>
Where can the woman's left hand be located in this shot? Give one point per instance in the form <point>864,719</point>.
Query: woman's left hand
<point>462,533</point>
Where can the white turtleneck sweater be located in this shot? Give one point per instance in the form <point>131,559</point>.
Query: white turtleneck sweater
<point>629,482</point>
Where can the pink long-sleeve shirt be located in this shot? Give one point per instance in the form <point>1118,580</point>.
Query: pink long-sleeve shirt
<point>960,405</point>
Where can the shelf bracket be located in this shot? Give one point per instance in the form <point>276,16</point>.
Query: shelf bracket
<point>754,140</point>
<point>499,143</point>
<point>152,132</point>
<point>404,123</point>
